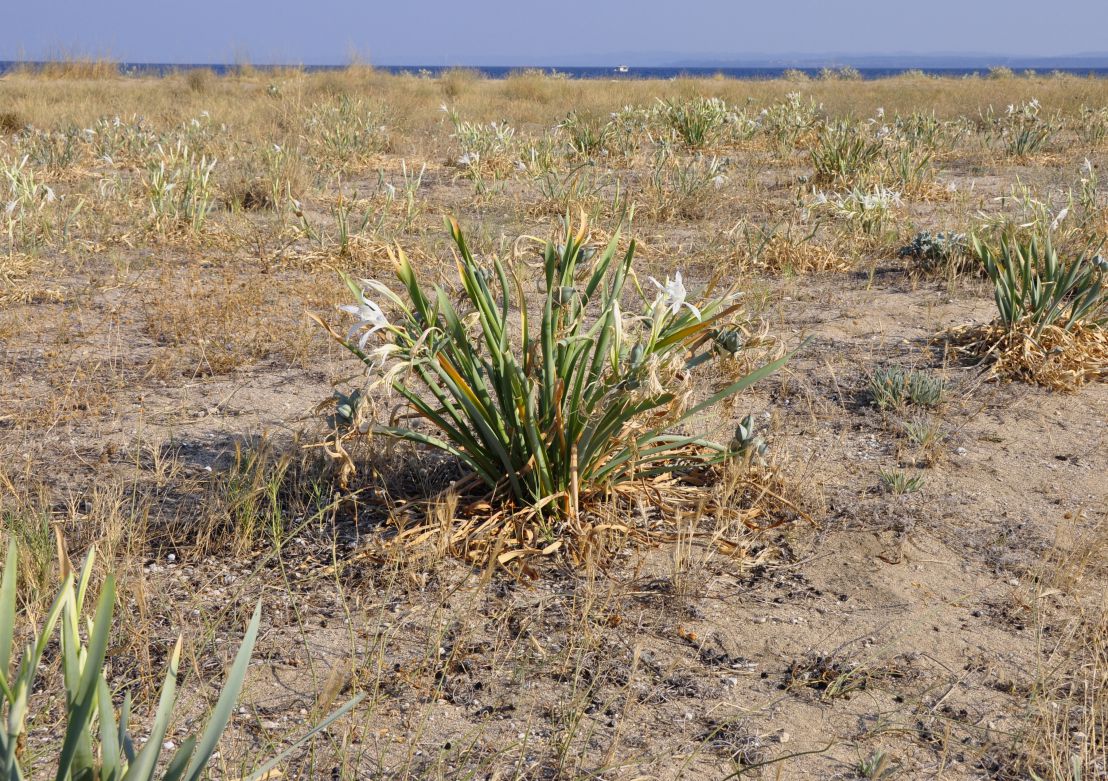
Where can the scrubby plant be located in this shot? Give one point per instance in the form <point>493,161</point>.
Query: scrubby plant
<point>345,131</point>
<point>787,121</point>
<point>899,483</point>
<point>587,134</point>
<point>1092,125</point>
<point>843,154</point>
<point>24,208</point>
<point>909,169</point>
<point>580,187</point>
<point>919,129</point>
<point>580,399</point>
<point>868,210</point>
<point>117,140</point>
<point>894,387</point>
<point>179,188</point>
<point>680,185</point>
<point>96,742</point>
<point>1023,129</point>
<point>487,148</point>
<point>698,122</point>
<point>55,150</point>
<point>844,73</point>
<point>931,251</point>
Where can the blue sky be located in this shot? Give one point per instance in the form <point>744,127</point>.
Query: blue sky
<point>514,32</point>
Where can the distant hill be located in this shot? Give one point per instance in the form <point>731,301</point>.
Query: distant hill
<point>903,60</point>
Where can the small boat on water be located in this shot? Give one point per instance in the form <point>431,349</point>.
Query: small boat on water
<point>623,69</point>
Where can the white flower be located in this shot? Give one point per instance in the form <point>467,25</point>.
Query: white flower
<point>468,159</point>
<point>370,319</point>
<point>1058,218</point>
<point>673,295</point>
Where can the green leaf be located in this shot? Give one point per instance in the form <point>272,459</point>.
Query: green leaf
<point>76,754</point>
<point>142,766</point>
<point>221,714</point>
<point>7,610</point>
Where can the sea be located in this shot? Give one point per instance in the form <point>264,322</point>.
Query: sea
<point>501,71</point>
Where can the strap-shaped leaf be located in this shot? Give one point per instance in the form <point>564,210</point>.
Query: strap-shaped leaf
<point>142,766</point>
<point>7,610</point>
<point>111,768</point>
<point>75,754</point>
<point>221,714</point>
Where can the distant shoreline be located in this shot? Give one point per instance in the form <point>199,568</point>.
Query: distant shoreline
<point>759,73</point>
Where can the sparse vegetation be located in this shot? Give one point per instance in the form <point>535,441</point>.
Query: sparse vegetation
<point>894,387</point>
<point>616,596</point>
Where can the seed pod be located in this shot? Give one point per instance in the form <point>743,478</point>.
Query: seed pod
<point>730,340</point>
<point>564,296</point>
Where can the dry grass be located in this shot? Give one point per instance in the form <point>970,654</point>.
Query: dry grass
<point>1065,735</point>
<point>1061,359</point>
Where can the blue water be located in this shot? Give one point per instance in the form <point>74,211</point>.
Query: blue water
<point>499,72</point>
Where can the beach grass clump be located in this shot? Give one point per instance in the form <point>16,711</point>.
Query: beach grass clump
<point>179,188</point>
<point>555,406</point>
<point>867,210</point>
<point>787,121</point>
<point>683,185</point>
<point>1092,125</point>
<point>587,134</point>
<point>1024,130</point>
<point>489,149</point>
<point>698,122</point>
<point>345,131</point>
<point>842,154</point>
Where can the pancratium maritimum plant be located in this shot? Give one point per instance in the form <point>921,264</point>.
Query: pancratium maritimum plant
<point>553,401</point>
